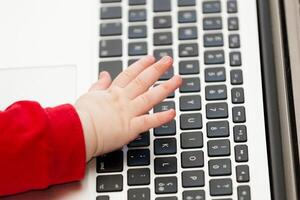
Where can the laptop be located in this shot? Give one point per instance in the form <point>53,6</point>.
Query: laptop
<point>226,140</point>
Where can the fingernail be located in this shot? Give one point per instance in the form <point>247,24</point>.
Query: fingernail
<point>102,74</point>
<point>165,59</point>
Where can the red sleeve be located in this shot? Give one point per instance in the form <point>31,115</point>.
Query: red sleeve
<point>39,147</point>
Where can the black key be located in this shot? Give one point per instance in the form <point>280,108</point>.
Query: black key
<point>217,129</point>
<point>161,5</point>
<point>192,178</point>
<point>214,57</point>
<point>138,157</point>
<point>216,110</point>
<point>233,23</point>
<point>191,140</point>
<point>143,140</point>
<point>236,77</point>
<point>192,102</point>
<point>240,133</point>
<point>216,92</point>
<point>162,22</point>
<point>193,195</point>
<point>192,159</point>
<point>238,114</point>
<point>137,48</point>
<point>131,61</point>
<point>186,3</point>
<point>165,185</point>
<point>237,95</point>
<point>187,16</point>
<point>188,50</point>
<point>164,106</point>
<point>139,176</point>
<point>213,40</point>
<point>216,74</point>
<point>235,58</point>
<point>114,68</point>
<point>234,41</point>
<point>189,67</point>
<point>138,193</point>
<point>165,165</point>
<point>218,148</point>
<point>159,53</point>
<point>110,1</point>
<point>241,153</point>
<point>219,187</point>
<point>167,75</point>
<point>191,121</point>
<point>166,129</point>
<point>162,38</point>
<point>244,192</point>
<point>111,162</point>
<point>187,33</point>
<point>212,23</point>
<point>219,167</point>
<point>211,7</point>
<point>110,48</point>
<point>232,6</point>
<point>137,2</point>
<point>242,173</point>
<point>137,15</point>
<point>108,29</point>
<point>102,198</point>
<point>165,146</point>
<point>190,85</point>
<point>111,12</point>
<point>166,198</point>
<point>137,31</point>
<point>109,183</point>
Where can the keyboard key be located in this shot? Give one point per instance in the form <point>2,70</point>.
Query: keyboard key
<point>192,159</point>
<point>166,129</point>
<point>238,114</point>
<point>186,3</point>
<point>240,133</point>
<point>188,50</point>
<point>159,53</point>
<point>236,77</point>
<point>216,92</point>
<point>139,176</point>
<point>219,187</point>
<point>244,192</point>
<point>187,33</point>
<point>167,75</point>
<point>165,185</point>
<point>161,5</point>
<point>212,23</point>
<point>137,49</point>
<point>216,74</point>
<point>219,167</point>
<point>110,48</point>
<point>216,110</point>
<point>165,165</point>
<point>138,157</point>
<point>111,162</point>
<point>143,140</point>
<point>211,7</point>
<point>114,68</point>
<point>162,38</point>
<point>111,12</point>
<point>192,178</point>
<point>191,140</point>
<point>108,29</point>
<point>232,6</point>
<point>138,193</point>
<point>242,173</point>
<point>162,22</point>
<point>102,197</point>
<point>187,16</point>
<point>110,1</point>
<point>137,32</point>
<point>189,67</point>
<point>164,106</point>
<point>109,183</point>
<point>165,146</point>
<point>235,58</point>
<point>193,195</point>
<point>218,148</point>
<point>137,2</point>
<point>217,129</point>
<point>237,95</point>
<point>190,85</point>
<point>188,103</point>
<point>234,41</point>
<point>191,121</point>
<point>166,198</point>
<point>213,40</point>
<point>214,57</point>
<point>233,23</point>
<point>138,15</point>
<point>241,153</point>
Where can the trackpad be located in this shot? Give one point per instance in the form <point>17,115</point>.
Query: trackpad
<point>51,85</point>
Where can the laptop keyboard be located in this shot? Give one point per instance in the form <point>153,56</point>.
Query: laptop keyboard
<point>203,153</point>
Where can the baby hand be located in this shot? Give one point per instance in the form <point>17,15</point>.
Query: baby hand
<point>114,113</point>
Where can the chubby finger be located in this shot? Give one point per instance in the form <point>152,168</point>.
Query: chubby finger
<point>146,101</point>
<point>103,83</point>
<point>148,77</point>
<point>132,71</point>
